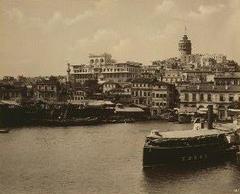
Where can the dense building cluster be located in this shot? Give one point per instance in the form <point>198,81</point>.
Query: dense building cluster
<point>189,82</point>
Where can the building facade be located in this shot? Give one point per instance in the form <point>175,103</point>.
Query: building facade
<point>200,96</point>
<point>150,93</point>
<point>121,72</point>
<point>227,78</point>
<point>47,89</point>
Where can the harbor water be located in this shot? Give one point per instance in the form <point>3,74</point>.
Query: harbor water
<point>100,159</point>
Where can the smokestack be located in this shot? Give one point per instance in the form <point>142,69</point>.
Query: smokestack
<point>210,116</point>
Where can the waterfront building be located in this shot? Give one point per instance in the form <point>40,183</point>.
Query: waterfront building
<point>151,92</point>
<point>142,91</point>
<point>13,92</point>
<point>47,89</point>
<point>81,73</point>
<point>200,96</point>
<point>77,95</point>
<point>120,95</point>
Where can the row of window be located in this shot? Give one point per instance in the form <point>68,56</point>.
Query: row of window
<point>144,85</point>
<point>160,104</point>
<point>141,93</point>
<point>148,103</point>
<point>46,95</point>
<point>141,85</point>
<point>80,93</point>
<point>97,60</point>
<point>78,98</point>
<point>80,76</point>
<point>222,97</point>
<point>148,94</point>
<point>226,82</point>
<point>40,87</point>
<point>113,75</point>
<point>10,95</point>
<point>83,71</point>
<point>159,95</point>
<point>120,69</point>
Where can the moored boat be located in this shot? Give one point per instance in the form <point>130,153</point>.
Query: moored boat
<point>198,145</point>
<point>178,147</point>
<point>4,130</point>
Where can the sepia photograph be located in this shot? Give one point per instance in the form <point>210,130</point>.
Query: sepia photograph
<point>119,96</point>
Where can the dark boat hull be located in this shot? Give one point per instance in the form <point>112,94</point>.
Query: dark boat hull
<point>4,130</point>
<point>158,156</point>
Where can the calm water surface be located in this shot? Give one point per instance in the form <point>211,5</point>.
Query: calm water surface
<point>99,159</point>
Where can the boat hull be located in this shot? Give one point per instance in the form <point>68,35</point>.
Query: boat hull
<point>159,156</point>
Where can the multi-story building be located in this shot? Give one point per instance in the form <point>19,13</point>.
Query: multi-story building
<point>200,96</point>
<point>172,76</point>
<point>47,89</point>
<point>151,92</point>
<point>121,72</point>
<point>103,68</point>
<point>198,76</point>
<point>13,92</point>
<point>98,60</point>
<point>227,78</point>
<point>81,73</point>
<point>142,91</point>
<point>171,63</point>
<point>110,85</point>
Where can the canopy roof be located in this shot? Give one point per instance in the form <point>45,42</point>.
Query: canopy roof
<point>128,109</point>
<point>185,133</point>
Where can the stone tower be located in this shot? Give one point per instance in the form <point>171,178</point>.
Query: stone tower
<point>185,46</point>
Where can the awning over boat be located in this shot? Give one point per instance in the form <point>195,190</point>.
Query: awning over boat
<point>9,102</point>
<point>128,109</point>
<point>99,103</point>
<point>234,110</point>
<point>185,134</point>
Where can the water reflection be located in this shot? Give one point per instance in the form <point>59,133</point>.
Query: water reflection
<point>221,177</point>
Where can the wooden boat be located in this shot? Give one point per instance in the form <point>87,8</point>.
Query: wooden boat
<point>70,122</point>
<point>178,147</point>
<point>4,130</point>
<point>198,145</point>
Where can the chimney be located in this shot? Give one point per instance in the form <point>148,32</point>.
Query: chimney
<point>210,116</point>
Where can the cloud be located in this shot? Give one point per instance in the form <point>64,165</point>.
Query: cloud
<point>206,10</point>
<point>78,18</point>
<point>14,14</point>
<point>164,7</point>
<point>122,46</point>
<point>56,17</point>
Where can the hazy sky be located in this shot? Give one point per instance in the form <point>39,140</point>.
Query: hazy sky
<point>39,37</point>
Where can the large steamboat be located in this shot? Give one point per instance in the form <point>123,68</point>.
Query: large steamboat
<point>190,146</point>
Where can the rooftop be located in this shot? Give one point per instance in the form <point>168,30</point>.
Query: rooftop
<point>212,88</point>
